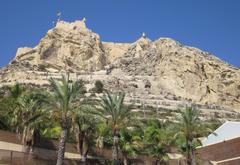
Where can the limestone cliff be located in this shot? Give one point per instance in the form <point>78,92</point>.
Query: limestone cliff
<point>68,46</point>
<point>184,71</point>
<point>147,70</point>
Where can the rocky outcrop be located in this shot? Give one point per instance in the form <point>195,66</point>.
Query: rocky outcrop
<point>183,71</point>
<point>163,67</point>
<point>68,46</point>
<point>115,50</point>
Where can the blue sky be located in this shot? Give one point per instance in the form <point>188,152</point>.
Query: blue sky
<point>211,25</point>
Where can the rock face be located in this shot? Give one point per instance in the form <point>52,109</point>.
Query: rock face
<point>184,71</point>
<point>144,68</point>
<point>69,46</point>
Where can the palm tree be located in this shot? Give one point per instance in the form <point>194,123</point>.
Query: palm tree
<point>190,127</point>
<point>63,100</point>
<point>8,104</point>
<point>16,90</point>
<point>22,113</point>
<point>130,142</point>
<point>117,115</point>
<point>29,116</point>
<point>157,140</point>
<point>103,132</point>
<point>84,126</point>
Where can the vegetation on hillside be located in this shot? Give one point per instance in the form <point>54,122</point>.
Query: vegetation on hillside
<point>67,113</point>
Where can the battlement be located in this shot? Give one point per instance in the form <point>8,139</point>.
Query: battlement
<point>77,25</point>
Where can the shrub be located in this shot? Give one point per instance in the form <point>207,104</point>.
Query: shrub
<point>98,86</point>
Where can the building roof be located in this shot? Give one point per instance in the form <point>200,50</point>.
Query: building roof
<point>229,130</point>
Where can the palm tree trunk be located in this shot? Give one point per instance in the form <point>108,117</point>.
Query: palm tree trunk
<point>84,159</point>
<point>25,148</point>
<point>85,149</point>
<point>157,162</point>
<point>24,135</point>
<point>115,154</point>
<point>125,160</point>
<point>61,149</point>
<point>194,159</point>
<point>189,162</point>
<point>147,162</point>
<point>193,156</point>
<point>80,143</point>
<point>100,144</point>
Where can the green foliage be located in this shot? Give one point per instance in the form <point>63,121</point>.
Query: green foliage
<point>29,117</point>
<point>99,121</point>
<point>190,128</point>
<point>28,111</point>
<point>16,91</point>
<point>63,98</point>
<point>98,86</point>
<point>21,111</point>
<point>117,115</point>
<point>103,129</point>
<point>114,111</point>
<point>104,135</point>
<point>62,101</point>
<point>130,141</point>
<point>82,120</point>
<point>8,105</point>
<point>2,92</point>
<point>157,140</point>
<point>213,124</point>
<point>52,132</point>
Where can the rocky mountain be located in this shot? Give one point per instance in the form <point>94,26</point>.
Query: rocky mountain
<point>161,73</point>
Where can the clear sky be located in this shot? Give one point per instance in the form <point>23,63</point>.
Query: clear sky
<point>211,25</point>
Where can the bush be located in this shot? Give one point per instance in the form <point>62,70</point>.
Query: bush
<point>98,86</point>
<point>42,67</point>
